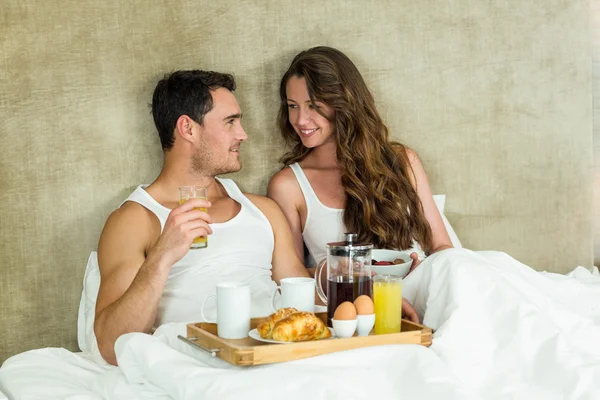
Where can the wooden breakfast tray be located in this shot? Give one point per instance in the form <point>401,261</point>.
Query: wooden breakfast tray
<point>247,351</point>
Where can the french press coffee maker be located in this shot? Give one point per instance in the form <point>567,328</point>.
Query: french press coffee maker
<point>348,266</point>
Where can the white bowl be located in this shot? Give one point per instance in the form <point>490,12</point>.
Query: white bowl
<point>390,255</point>
<point>364,324</point>
<point>344,328</point>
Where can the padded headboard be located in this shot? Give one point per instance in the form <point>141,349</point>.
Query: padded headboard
<point>494,96</point>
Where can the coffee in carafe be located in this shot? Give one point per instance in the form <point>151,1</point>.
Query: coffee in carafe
<point>348,266</point>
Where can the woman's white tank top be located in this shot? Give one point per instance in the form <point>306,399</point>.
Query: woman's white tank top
<point>240,249</point>
<point>323,224</point>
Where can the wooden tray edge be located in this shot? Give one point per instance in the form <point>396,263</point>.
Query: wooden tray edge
<point>248,355</point>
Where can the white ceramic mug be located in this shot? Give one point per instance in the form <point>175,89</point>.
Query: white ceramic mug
<point>233,310</point>
<point>296,292</point>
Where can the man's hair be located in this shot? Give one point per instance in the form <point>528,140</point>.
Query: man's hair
<point>185,93</point>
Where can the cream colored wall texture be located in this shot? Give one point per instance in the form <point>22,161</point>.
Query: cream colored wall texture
<point>495,96</point>
<point>595,36</point>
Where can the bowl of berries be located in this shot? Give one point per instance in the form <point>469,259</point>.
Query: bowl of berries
<point>390,262</point>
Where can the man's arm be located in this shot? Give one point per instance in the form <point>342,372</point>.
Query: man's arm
<point>129,294</point>
<point>285,260</point>
<point>134,269</point>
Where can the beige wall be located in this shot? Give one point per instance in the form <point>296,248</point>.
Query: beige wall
<point>595,35</point>
<point>495,96</point>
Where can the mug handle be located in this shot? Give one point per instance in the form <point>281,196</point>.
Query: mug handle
<point>211,296</point>
<point>278,288</point>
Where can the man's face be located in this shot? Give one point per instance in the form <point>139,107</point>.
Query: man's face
<point>221,134</point>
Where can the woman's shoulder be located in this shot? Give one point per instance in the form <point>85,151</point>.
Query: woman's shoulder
<point>284,176</point>
<point>283,184</point>
<point>410,159</point>
<point>406,153</point>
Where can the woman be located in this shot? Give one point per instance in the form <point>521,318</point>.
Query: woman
<point>343,173</point>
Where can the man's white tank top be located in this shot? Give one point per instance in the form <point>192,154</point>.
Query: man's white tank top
<point>240,249</point>
<point>324,224</point>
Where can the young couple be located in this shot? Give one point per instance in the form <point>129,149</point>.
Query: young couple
<point>343,174</point>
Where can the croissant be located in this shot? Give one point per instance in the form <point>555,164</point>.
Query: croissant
<point>300,326</point>
<point>266,327</point>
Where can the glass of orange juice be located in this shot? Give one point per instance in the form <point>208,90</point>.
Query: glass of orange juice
<point>195,192</point>
<point>387,296</point>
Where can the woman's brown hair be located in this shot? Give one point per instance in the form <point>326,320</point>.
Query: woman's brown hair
<point>382,206</point>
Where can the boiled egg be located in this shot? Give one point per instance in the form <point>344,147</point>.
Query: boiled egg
<point>345,311</point>
<point>364,305</point>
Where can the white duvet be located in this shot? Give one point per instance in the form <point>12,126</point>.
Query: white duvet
<point>502,331</point>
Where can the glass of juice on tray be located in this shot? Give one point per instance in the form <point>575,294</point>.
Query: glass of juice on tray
<point>387,298</point>
<point>195,192</point>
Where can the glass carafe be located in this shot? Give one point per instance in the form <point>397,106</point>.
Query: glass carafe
<point>348,266</point>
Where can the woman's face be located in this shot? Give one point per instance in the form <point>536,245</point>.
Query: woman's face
<point>312,128</point>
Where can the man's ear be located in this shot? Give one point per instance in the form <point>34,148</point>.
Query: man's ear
<point>184,128</point>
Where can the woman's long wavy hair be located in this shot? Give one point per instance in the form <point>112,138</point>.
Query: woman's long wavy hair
<point>382,206</point>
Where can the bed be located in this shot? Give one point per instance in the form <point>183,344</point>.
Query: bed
<point>501,331</point>
<point>495,97</point>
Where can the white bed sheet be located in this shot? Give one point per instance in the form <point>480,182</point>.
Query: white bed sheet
<point>503,331</point>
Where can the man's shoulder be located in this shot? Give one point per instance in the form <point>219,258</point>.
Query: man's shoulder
<point>130,219</point>
<point>131,211</point>
<point>264,203</point>
<point>270,209</point>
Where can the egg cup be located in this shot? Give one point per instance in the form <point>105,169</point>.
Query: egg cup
<point>344,328</point>
<point>364,324</point>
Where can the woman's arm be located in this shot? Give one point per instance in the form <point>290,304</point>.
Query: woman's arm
<point>440,239</point>
<point>285,191</point>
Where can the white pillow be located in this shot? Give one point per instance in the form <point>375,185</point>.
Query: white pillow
<point>86,338</point>
<point>440,202</point>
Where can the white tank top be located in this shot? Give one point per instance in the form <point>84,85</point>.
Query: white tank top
<point>324,224</point>
<point>240,249</point>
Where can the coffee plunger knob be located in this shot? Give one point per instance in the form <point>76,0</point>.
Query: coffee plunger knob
<point>350,237</point>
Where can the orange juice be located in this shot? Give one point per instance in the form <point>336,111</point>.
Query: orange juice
<point>201,241</point>
<point>387,296</point>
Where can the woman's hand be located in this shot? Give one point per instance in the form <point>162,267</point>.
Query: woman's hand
<point>415,262</point>
<point>408,312</point>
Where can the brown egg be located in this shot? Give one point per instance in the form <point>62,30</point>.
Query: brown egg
<point>345,311</point>
<point>364,305</point>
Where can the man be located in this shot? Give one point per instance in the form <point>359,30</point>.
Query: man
<point>149,275</point>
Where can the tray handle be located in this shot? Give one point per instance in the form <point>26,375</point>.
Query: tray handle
<point>193,342</point>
